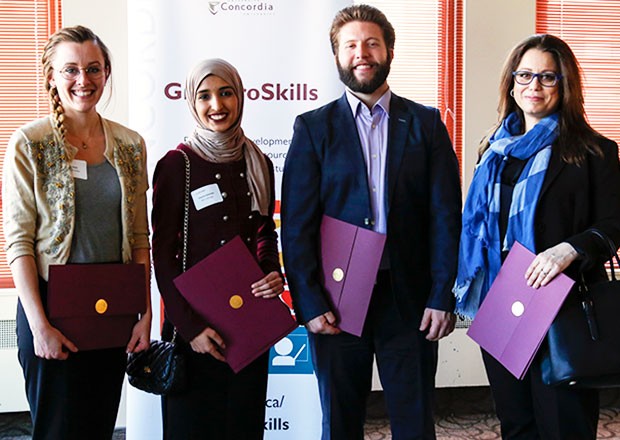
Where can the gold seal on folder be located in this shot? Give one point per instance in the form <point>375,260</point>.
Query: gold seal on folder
<point>235,302</point>
<point>101,306</point>
<point>338,274</point>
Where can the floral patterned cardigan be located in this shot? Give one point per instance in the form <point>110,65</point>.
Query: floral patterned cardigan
<point>38,206</point>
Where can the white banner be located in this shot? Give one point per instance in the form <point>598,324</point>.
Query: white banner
<point>281,49</point>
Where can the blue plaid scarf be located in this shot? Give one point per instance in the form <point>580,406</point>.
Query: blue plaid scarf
<point>480,250</point>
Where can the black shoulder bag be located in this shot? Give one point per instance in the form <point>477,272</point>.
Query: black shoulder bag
<point>584,339</point>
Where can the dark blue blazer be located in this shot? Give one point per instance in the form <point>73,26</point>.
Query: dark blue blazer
<point>325,173</point>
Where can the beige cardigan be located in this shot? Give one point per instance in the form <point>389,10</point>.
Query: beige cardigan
<point>37,192</point>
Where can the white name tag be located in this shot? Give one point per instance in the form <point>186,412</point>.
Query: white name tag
<point>206,196</point>
<point>79,169</point>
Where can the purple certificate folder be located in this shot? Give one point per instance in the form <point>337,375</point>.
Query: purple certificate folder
<point>218,289</point>
<point>96,305</point>
<point>514,318</point>
<point>350,258</point>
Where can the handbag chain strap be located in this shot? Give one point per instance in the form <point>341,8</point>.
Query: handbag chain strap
<point>186,211</point>
<point>185,222</point>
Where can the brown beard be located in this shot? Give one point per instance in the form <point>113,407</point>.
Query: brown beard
<point>348,77</point>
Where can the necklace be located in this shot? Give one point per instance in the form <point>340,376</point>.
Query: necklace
<point>84,145</point>
<point>81,141</point>
<point>90,133</point>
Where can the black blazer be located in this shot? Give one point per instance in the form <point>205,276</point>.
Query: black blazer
<point>325,173</point>
<point>576,198</point>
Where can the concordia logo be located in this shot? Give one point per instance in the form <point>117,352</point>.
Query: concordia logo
<point>244,7</point>
<point>213,7</point>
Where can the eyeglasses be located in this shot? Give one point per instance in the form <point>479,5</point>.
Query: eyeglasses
<point>546,79</point>
<point>71,73</point>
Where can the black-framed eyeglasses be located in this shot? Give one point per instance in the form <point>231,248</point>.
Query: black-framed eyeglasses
<point>71,73</point>
<point>546,79</point>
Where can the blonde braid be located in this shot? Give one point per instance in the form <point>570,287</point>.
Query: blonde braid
<point>58,111</point>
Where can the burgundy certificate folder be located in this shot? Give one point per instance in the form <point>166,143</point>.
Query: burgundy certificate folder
<point>350,258</point>
<point>218,289</point>
<point>96,305</point>
<point>514,318</point>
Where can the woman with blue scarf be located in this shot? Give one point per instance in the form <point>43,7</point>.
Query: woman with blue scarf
<point>544,178</point>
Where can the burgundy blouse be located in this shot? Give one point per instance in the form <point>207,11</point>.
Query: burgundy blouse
<point>209,227</point>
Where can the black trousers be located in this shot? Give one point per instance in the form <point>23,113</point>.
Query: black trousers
<point>74,399</point>
<point>406,362</point>
<point>218,404</point>
<point>528,409</point>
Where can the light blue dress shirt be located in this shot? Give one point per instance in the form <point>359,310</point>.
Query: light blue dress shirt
<point>372,127</point>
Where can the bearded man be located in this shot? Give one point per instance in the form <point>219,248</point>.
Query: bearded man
<point>382,162</point>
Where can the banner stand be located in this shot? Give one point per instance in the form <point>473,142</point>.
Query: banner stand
<point>282,51</point>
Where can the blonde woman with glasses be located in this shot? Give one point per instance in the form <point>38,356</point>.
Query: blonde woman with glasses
<point>73,191</point>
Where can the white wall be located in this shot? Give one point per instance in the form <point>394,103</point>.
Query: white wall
<point>491,29</point>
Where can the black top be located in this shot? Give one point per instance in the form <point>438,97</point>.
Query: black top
<point>509,178</point>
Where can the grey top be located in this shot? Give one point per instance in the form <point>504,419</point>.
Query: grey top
<point>98,231</point>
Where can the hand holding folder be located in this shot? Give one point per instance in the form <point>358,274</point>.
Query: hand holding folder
<point>96,305</point>
<point>350,258</point>
<point>514,317</point>
<point>218,288</point>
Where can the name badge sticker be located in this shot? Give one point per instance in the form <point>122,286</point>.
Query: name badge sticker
<point>206,196</point>
<point>79,169</point>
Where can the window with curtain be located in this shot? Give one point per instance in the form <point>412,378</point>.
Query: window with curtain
<point>592,30</point>
<point>25,27</point>
<point>428,56</point>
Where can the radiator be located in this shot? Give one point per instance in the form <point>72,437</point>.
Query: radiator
<point>12,395</point>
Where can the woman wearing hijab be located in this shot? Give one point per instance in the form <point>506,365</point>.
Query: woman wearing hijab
<point>545,179</point>
<point>239,179</point>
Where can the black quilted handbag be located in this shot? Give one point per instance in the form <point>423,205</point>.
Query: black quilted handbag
<point>160,369</point>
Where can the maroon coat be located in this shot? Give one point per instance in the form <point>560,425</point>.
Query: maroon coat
<point>209,228</point>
